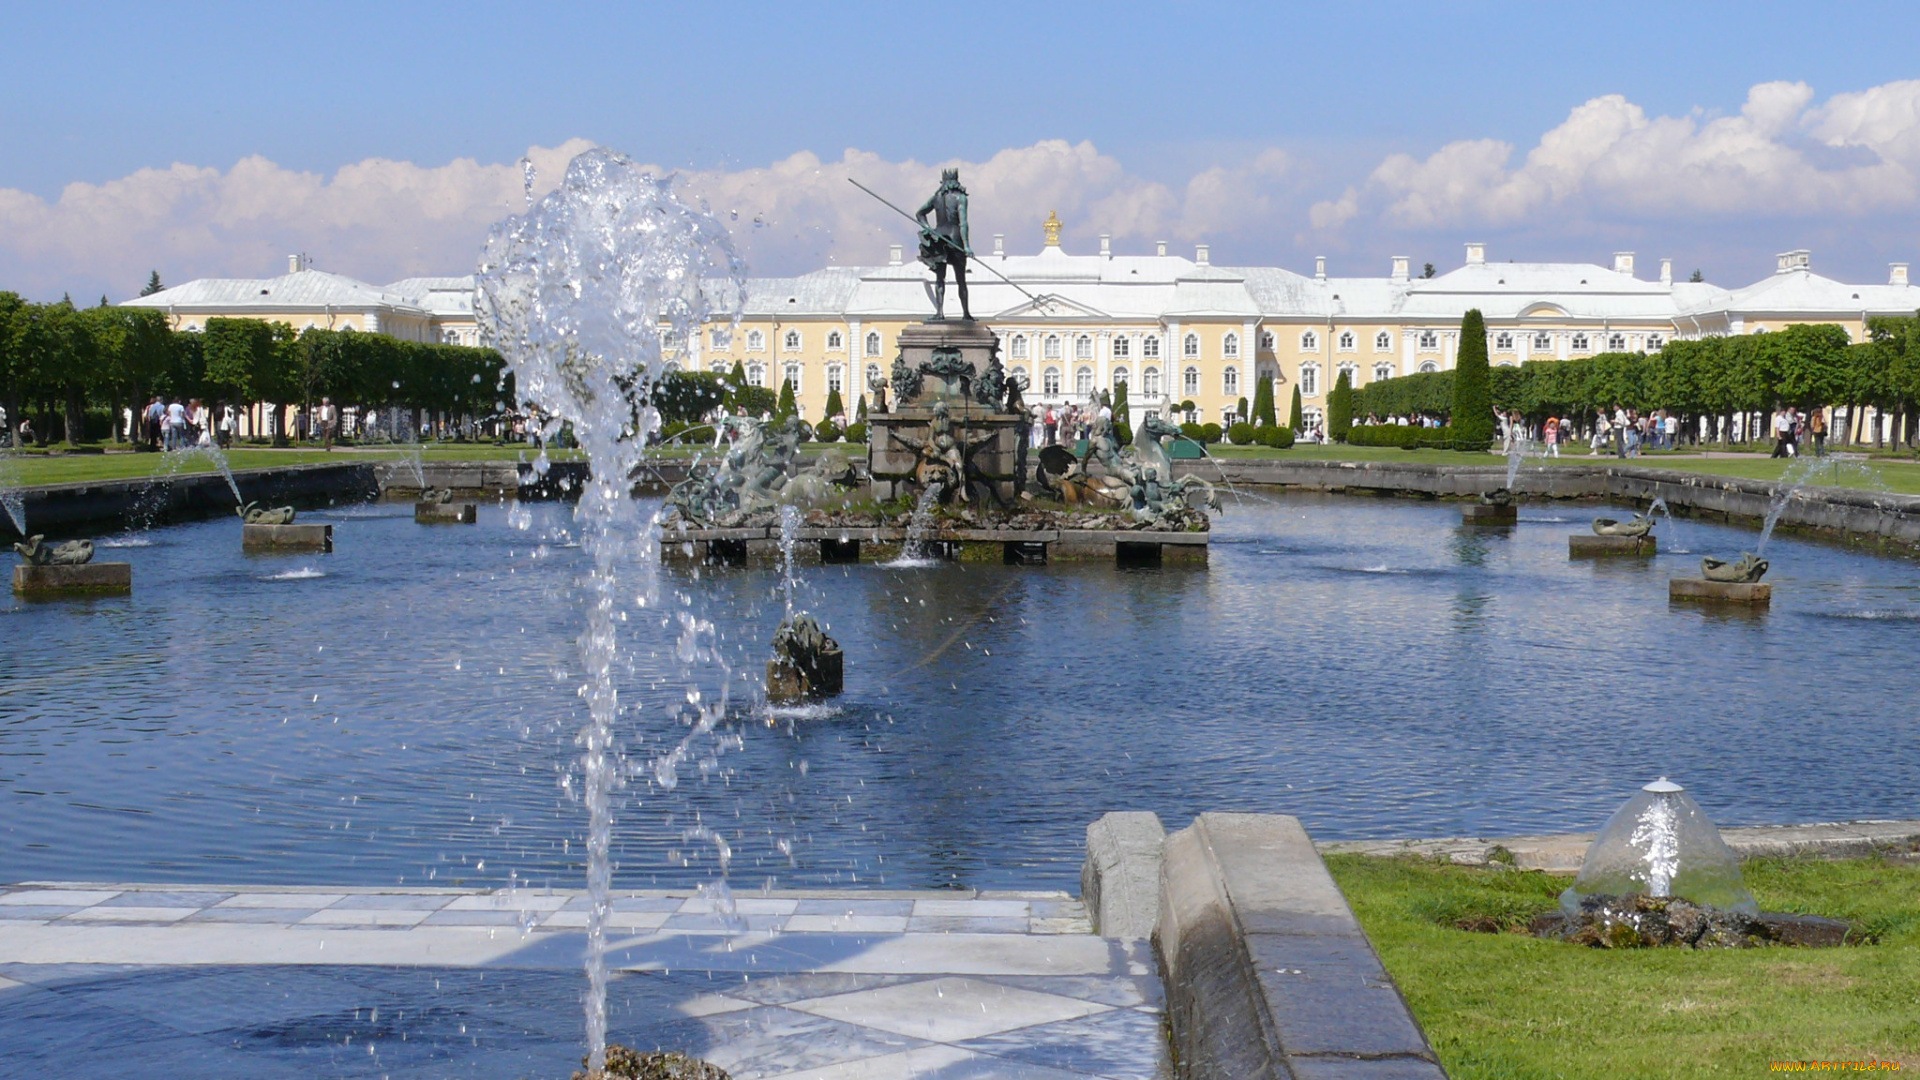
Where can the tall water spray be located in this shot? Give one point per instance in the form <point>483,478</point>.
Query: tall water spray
<point>582,295</point>
<point>11,497</point>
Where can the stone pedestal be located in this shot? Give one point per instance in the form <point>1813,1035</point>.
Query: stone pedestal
<point>295,537</point>
<point>791,682</point>
<point>931,349</point>
<point>1589,545</point>
<point>1752,593</point>
<point>1487,514</point>
<point>87,579</point>
<point>436,513</point>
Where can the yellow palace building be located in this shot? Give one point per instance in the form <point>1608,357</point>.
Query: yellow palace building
<point>1174,329</point>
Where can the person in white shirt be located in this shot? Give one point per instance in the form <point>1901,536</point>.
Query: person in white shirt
<point>176,425</point>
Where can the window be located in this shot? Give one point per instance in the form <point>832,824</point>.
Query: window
<point>1150,346</point>
<point>1019,349</point>
<point>1121,348</point>
<point>791,342</point>
<point>1083,348</point>
<point>1309,342</point>
<point>836,378</point>
<point>1382,371</point>
<point>1150,382</point>
<point>1655,342</point>
<point>1428,367</point>
<point>718,367</point>
<point>1352,372</point>
<point>1019,371</point>
<point>1266,340</point>
<point>1383,342</point>
<point>793,376</point>
<point>873,376</point>
<point>1230,381</point>
<point>1503,342</point>
<point>1190,348</point>
<point>1083,381</point>
<point>873,343</point>
<point>1543,341</point>
<point>1190,381</point>
<point>1050,382</point>
<point>672,368</point>
<point>722,337</point>
<point>1347,342</point>
<point>756,374</point>
<point>1579,343</point>
<point>1050,348</point>
<point>1429,341</point>
<point>1230,346</point>
<point>1616,342</point>
<point>1309,379</point>
<point>756,341</point>
<point>834,340</point>
<point>1119,377</point>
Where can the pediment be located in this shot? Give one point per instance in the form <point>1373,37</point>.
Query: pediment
<point>1543,310</point>
<point>1051,306</point>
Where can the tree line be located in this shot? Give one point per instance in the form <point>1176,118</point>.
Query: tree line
<point>74,370</point>
<point>1706,382</point>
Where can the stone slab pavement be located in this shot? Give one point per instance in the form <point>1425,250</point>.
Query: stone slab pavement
<point>203,981</point>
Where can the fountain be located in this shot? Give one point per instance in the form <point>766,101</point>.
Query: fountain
<point>580,294</point>
<point>915,550</point>
<point>11,498</point>
<point>436,507</point>
<point>1496,507</point>
<point>48,572</point>
<point>273,529</point>
<point>1613,537</point>
<point>1734,582</point>
<point>1802,473</point>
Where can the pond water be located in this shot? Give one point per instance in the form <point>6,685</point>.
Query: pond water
<point>402,711</point>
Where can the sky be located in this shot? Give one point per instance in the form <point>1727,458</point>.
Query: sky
<point>382,140</point>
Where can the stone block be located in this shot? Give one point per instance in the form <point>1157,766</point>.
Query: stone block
<point>1751,593</point>
<point>1120,881</point>
<point>1590,545</point>
<point>1476,513</point>
<point>445,513</point>
<point>295,537</point>
<point>790,682</point>
<point>87,579</point>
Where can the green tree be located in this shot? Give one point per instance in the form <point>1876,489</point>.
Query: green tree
<point>1428,272</point>
<point>1696,277</point>
<point>1240,408</point>
<point>1472,415</point>
<point>1340,407</point>
<point>153,284</point>
<point>835,406</point>
<point>1121,413</point>
<point>736,381</point>
<point>787,406</point>
<point>860,411</point>
<point>1263,403</point>
<point>1295,417</point>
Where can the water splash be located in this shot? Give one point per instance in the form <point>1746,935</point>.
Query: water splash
<point>414,458</point>
<point>914,551</point>
<point>11,497</point>
<point>1517,455</point>
<point>1834,470</point>
<point>1659,506</point>
<point>1657,835</point>
<point>789,537</point>
<point>581,294</point>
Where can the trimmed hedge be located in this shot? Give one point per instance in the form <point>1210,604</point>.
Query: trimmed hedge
<point>1412,437</point>
<point>827,431</point>
<point>857,432</point>
<point>1276,436</point>
<point>1240,434</point>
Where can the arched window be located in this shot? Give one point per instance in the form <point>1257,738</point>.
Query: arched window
<point>1655,342</point>
<point>836,378</point>
<point>1503,342</point>
<point>1050,382</point>
<point>1348,342</point>
<point>756,341</point>
<point>1543,341</point>
<point>1309,379</point>
<point>1190,348</point>
<point>1309,342</point>
<point>791,342</point>
<point>1050,348</point>
<point>1266,341</point>
<point>1230,346</point>
<point>1230,381</point>
<point>1616,342</point>
<point>1352,372</point>
<point>1083,348</point>
<point>834,340</point>
<point>1382,371</point>
<point>873,376</point>
<point>1121,348</point>
<point>873,343</point>
<point>1150,382</point>
<point>756,374</point>
<point>1579,343</point>
<point>1150,346</point>
<point>1428,367</point>
<point>1018,370</point>
<point>1190,381</point>
<point>721,336</point>
<point>1083,381</point>
<point>1019,349</point>
<point>1119,377</point>
<point>718,367</point>
<point>793,376</point>
<point>1429,341</point>
<point>1383,342</point>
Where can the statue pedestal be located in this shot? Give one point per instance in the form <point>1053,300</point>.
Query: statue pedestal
<point>1585,545</point>
<point>893,464</point>
<point>1751,593</point>
<point>790,682</point>
<point>1477,513</point>
<point>436,513</point>
<point>87,579</point>
<point>295,537</point>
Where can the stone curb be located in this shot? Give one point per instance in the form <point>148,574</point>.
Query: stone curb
<point>1120,881</point>
<point>1563,853</point>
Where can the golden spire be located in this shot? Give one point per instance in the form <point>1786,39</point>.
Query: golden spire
<point>1052,225</point>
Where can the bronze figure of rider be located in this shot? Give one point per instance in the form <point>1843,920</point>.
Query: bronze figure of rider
<point>944,243</point>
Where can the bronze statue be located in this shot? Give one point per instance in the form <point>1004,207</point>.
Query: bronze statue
<point>944,243</point>
<point>1638,525</point>
<point>1747,569</point>
<point>252,514</point>
<point>806,662</point>
<point>36,552</point>
<point>437,496</point>
<point>943,454</point>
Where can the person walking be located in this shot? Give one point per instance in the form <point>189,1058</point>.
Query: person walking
<point>1552,434</point>
<point>326,423</point>
<point>155,417</point>
<point>1817,427</point>
<point>1052,424</point>
<point>1672,425</point>
<point>1619,431</point>
<point>175,425</point>
<point>1782,434</point>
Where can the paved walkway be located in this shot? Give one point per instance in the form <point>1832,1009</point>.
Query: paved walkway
<point>174,981</point>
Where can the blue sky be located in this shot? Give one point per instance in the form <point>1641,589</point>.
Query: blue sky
<point>1295,107</point>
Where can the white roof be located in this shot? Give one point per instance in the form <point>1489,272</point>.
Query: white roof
<point>1803,292</point>
<point>315,289</point>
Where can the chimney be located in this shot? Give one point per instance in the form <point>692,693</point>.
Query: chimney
<point>1319,268</point>
<point>893,255</point>
<point>1623,263</point>
<point>293,264</point>
<point>1400,264</point>
<point>1666,271</point>
<point>1200,254</point>
<point>1787,261</point>
<point>1160,247</point>
<point>1000,244</point>
<point>1476,254</point>
<point>1106,245</point>
<point>1896,273</point>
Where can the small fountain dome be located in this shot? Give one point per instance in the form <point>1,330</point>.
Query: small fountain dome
<point>1660,843</point>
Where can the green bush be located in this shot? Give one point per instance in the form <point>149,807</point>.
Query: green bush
<point>1340,408</point>
<point>1210,433</point>
<point>1275,435</point>
<point>1412,437</point>
<point>827,431</point>
<point>1472,384</point>
<point>1240,434</point>
<point>1123,431</point>
<point>856,433</point>
<point>1191,430</point>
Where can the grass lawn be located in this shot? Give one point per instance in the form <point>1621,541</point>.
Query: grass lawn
<point>35,468</point>
<point>1505,1006</point>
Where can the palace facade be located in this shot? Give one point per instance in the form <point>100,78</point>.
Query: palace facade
<point>1174,329</point>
